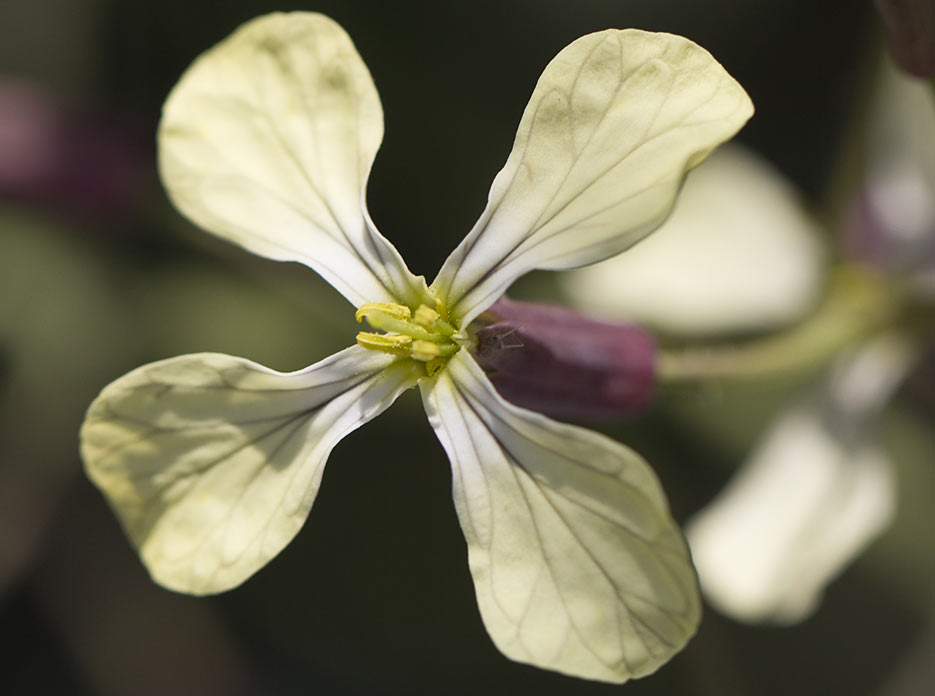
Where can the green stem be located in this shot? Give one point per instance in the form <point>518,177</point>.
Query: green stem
<point>858,304</point>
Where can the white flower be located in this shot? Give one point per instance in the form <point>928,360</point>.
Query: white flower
<point>818,488</point>
<point>212,462</point>
<point>812,495</point>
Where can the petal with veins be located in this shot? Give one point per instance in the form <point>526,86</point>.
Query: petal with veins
<point>267,141</point>
<point>577,563</point>
<point>212,462</point>
<point>615,121</point>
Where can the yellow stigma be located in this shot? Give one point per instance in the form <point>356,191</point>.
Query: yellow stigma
<point>425,337</point>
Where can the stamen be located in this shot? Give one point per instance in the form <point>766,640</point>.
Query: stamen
<point>429,318</point>
<point>425,337</point>
<point>387,317</point>
<point>424,350</point>
<point>387,343</point>
<point>425,316</point>
<point>429,351</point>
<point>396,311</point>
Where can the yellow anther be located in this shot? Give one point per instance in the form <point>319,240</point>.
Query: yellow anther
<point>425,316</point>
<point>425,337</point>
<point>396,311</point>
<point>387,343</point>
<point>430,319</point>
<point>424,350</point>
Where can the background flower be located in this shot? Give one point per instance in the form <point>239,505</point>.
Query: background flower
<point>738,254</point>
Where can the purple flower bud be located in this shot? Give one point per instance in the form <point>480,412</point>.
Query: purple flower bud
<point>910,32</point>
<point>557,362</point>
<point>83,165</point>
<point>885,230</point>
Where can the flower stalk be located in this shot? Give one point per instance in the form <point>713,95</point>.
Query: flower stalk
<point>858,304</point>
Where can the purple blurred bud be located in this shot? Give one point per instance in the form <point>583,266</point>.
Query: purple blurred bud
<point>884,230</point>
<point>557,362</point>
<point>82,165</point>
<point>910,33</point>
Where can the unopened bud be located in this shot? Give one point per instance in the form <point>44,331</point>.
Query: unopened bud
<point>910,32</point>
<point>86,165</point>
<point>558,362</point>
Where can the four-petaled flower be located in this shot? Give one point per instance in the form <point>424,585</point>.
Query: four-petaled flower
<point>212,462</point>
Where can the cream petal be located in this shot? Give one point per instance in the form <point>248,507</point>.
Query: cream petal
<point>577,563</point>
<point>267,141</point>
<point>811,497</point>
<point>738,253</point>
<point>615,121</point>
<point>794,517</point>
<point>212,462</point>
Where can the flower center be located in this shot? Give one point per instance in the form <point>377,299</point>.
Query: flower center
<point>422,335</point>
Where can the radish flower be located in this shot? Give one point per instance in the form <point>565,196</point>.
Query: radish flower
<point>212,462</point>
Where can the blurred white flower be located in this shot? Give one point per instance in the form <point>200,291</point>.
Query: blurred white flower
<point>738,253</point>
<point>812,495</point>
<point>818,489</point>
<point>213,462</point>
